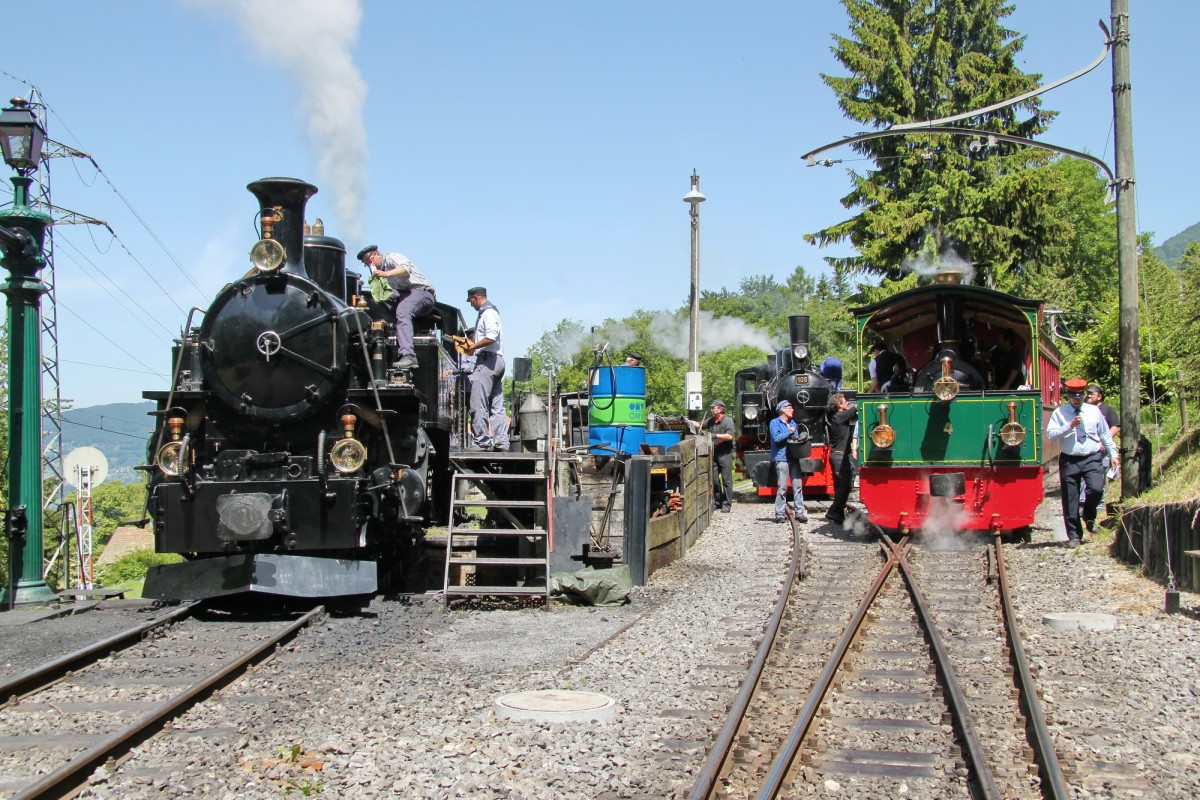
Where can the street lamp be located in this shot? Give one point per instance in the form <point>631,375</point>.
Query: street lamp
<point>693,387</point>
<point>22,233</point>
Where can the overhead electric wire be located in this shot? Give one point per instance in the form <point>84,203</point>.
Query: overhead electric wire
<point>136,312</point>
<point>142,423</point>
<point>109,366</point>
<point>64,307</point>
<point>65,421</point>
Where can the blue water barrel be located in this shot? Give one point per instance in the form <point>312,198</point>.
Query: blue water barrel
<point>630,381</point>
<point>616,438</point>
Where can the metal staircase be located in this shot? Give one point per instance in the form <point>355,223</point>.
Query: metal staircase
<point>508,553</point>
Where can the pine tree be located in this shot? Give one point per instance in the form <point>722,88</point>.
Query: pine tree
<point>915,60</point>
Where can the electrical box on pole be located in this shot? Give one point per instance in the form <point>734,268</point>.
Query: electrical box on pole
<point>693,387</point>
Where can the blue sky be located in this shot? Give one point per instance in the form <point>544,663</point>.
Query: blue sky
<point>540,148</point>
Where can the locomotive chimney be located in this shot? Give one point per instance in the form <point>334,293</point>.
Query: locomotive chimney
<point>798,331</point>
<point>287,196</point>
<point>950,323</point>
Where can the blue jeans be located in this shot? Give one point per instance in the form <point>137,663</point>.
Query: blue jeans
<point>782,470</point>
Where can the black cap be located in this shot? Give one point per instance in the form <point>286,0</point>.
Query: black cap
<point>635,356</point>
<point>366,251</point>
<point>476,291</point>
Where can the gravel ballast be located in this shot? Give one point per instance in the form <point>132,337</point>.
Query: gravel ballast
<point>400,702</point>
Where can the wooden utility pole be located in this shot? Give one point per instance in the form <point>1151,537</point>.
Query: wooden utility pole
<point>1127,256</point>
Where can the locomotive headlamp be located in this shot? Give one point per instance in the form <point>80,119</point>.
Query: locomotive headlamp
<point>348,454</point>
<point>946,388</point>
<point>170,456</point>
<point>750,412</point>
<point>800,350</point>
<point>267,255</point>
<point>883,435</point>
<point>1013,432</point>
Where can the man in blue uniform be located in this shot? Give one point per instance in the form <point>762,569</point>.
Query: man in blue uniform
<point>782,429</point>
<point>1084,438</point>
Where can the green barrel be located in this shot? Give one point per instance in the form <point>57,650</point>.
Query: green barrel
<point>618,397</point>
<point>617,411</point>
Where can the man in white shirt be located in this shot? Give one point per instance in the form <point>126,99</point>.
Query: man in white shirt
<point>412,296</point>
<point>489,422</point>
<point>1084,438</point>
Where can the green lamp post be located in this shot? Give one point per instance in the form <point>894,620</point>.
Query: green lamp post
<point>22,232</point>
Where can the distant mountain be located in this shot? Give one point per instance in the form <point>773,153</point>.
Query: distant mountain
<point>1172,249</point>
<point>118,430</point>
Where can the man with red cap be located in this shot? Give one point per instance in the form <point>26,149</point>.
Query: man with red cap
<point>1084,438</point>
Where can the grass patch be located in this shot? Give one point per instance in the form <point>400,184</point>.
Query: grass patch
<point>1176,473</point>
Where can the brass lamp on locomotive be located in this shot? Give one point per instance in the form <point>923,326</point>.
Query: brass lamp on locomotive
<point>953,429</point>
<point>288,457</point>
<point>789,375</point>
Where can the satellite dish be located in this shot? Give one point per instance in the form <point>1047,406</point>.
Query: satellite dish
<point>81,459</point>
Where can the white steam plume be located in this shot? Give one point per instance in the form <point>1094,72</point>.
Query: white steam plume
<point>313,40</point>
<point>670,331</point>
<point>938,255</point>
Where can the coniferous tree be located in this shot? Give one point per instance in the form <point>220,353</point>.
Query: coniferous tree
<point>915,60</point>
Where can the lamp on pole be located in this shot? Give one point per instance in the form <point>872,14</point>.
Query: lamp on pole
<point>693,385</point>
<point>22,234</point>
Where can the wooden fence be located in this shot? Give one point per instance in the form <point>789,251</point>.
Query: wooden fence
<point>1159,538</point>
<point>654,539</point>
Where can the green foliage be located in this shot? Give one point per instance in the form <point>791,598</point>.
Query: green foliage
<point>915,60</point>
<point>134,566</point>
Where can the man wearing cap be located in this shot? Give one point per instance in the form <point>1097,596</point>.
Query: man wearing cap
<point>1095,397</point>
<point>1084,439</point>
<point>782,428</point>
<point>633,359</point>
<point>489,422</point>
<point>722,435</point>
<point>412,296</point>
<point>831,370</point>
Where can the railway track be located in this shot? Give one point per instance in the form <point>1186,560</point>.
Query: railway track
<point>902,679</point>
<point>90,708</point>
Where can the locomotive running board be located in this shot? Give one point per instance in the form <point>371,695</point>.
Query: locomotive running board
<point>261,573</point>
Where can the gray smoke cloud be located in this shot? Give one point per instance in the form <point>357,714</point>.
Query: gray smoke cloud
<point>313,40</point>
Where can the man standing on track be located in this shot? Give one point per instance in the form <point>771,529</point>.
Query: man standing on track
<point>722,435</point>
<point>782,429</point>
<point>842,417</point>
<point>489,423</point>
<point>1084,439</point>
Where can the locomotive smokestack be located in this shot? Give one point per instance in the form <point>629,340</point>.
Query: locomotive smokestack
<point>798,331</point>
<point>287,196</point>
<point>950,323</point>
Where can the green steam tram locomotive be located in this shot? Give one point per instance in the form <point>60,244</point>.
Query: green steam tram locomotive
<point>951,426</point>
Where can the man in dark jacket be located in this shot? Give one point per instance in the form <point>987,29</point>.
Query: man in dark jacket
<point>842,416</point>
<point>721,426</point>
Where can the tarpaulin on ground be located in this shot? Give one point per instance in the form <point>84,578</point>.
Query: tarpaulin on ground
<point>593,587</point>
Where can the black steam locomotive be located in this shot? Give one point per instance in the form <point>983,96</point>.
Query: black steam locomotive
<point>289,456</point>
<point>788,375</point>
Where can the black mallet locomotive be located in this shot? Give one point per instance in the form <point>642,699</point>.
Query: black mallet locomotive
<point>289,457</point>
